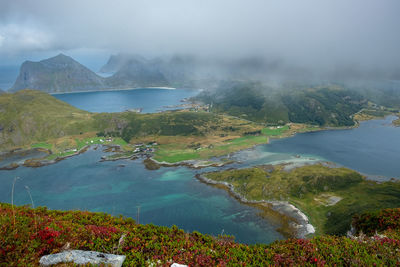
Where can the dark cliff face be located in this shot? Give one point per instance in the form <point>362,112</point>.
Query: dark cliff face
<point>57,74</point>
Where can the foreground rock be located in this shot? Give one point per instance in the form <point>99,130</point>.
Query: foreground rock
<point>81,257</point>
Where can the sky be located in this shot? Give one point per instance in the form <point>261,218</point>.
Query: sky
<point>312,33</point>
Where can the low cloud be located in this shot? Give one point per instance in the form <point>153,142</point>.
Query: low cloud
<point>312,33</point>
<point>17,38</point>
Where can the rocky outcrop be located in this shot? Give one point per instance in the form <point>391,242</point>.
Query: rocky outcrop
<point>81,257</point>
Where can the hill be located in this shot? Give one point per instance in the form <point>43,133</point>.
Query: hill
<point>57,74</point>
<point>30,115</point>
<point>323,106</point>
<point>27,234</point>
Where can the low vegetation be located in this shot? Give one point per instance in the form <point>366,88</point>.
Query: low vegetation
<point>329,196</point>
<point>27,234</point>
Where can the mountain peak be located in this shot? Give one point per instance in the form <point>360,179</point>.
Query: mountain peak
<point>57,74</point>
<point>59,58</point>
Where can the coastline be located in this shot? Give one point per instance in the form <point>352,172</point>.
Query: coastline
<point>298,226</point>
<point>191,163</point>
<point>195,164</point>
<point>115,89</point>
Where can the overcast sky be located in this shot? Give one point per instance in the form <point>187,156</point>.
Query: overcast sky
<point>307,32</point>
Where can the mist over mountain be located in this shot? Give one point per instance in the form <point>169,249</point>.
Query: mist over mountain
<point>137,72</point>
<point>63,74</point>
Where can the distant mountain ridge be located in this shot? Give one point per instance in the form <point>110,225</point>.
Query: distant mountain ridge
<point>57,74</point>
<point>64,74</point>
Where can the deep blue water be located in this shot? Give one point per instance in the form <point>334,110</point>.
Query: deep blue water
<point>149,99</point>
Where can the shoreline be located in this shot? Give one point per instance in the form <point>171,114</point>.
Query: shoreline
<point>192,163</point>
<point>116,89</point>
<point>299,226</point>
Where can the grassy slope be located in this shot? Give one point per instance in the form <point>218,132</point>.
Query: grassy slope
<point>310,188</point>
<point>40,231</point>
<point>31,116</point>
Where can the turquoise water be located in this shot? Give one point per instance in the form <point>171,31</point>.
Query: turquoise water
<point>149,99</point>
<point>166,196</point>
<point>173,196</point>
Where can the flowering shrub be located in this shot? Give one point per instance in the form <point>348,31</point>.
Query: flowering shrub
<point>379,221</point>
<point>161,246</point>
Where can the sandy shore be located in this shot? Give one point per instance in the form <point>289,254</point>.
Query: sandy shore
<point>116,89</point>
<point>300,225</point>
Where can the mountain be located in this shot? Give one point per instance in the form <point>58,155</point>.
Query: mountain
<point>134,71</point>
<point>57,74</point>
<point>130,69</point>
<point>116,62</point>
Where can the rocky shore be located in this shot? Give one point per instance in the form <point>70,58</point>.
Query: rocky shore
<point>300,223</point>
<point>195,164</point>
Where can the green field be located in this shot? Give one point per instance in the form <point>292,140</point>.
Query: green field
<point>42,145</point>
<point>313,189</point>
<point>175,152</point>
<point>274,131</point>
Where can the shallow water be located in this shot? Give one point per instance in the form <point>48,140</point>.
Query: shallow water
<point>166,196</point>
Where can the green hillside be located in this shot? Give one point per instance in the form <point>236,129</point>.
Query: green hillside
<point>323,106</point>
<point>29,115</point>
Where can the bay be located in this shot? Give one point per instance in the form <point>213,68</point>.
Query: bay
<point>150,100</point>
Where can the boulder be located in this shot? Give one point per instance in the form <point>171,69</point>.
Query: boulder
<point>81,257</point>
